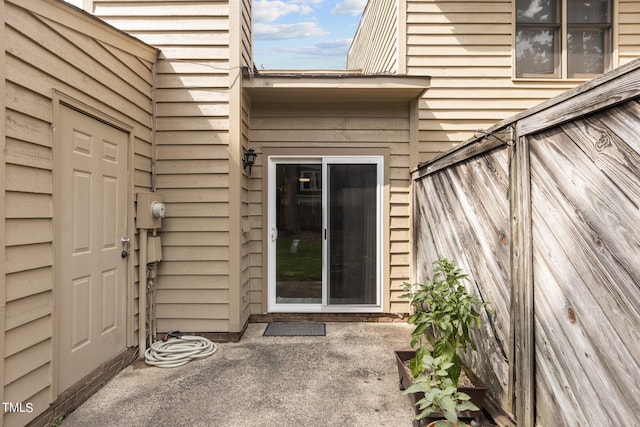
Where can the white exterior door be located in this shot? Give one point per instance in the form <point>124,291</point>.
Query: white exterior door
<point>91,218</point>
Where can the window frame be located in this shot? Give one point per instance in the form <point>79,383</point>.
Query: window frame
<point>561,54</point>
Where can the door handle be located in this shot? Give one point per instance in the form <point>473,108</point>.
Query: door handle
<point>274,234</point>
<point>125,246</point>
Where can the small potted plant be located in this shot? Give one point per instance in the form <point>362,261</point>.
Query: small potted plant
<point>443,313</point>
<point>440,396</point>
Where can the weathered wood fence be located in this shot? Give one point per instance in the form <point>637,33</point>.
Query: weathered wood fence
<point>543,211</point>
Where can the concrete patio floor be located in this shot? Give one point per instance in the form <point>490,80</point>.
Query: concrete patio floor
<point>346,378</point>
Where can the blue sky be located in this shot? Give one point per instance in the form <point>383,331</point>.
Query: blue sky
<point>302,34</point>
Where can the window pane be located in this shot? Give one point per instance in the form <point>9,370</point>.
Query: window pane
<point>586,52</point>
<point>535,52</point>
<point>352,233</point>
<point>588,11</point>
<point>537,11</point>
<point>299,242</point>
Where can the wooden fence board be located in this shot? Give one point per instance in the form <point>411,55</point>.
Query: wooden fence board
<point>580,357</point>
<point>600,213</point>
<point>612,144</point>
<point>470,224</point>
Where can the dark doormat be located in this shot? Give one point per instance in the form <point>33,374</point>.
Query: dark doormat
<point>295,329</point>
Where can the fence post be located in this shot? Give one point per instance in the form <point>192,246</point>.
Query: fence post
<point>522,371</point>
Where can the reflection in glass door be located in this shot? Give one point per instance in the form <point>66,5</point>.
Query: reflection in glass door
<point>299,233</point>
<point>324,220</point>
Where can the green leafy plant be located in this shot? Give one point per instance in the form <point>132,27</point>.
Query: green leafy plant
<point>440,394</point>
<point>444,313</point>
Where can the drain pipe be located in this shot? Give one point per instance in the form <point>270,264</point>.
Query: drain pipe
<point>142,294</point>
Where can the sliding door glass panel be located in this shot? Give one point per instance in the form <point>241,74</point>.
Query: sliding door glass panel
<point>299,233</point>
<point>352,233</point>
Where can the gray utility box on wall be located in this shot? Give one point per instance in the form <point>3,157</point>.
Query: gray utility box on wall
<point>150,210</point>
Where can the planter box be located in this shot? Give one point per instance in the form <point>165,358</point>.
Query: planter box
<point>477,392</point>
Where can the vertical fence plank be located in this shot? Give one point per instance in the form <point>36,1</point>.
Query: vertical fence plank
<point>522,286</point>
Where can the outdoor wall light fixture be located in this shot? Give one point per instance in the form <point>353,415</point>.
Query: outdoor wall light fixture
<point>249,159</point>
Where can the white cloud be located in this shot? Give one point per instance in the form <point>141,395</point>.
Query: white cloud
<point>349,7</point>
<point>307,1</point>
<point>323,49</point>
<point>287,31</point>
<point>329,55</point>
<point>270,10</point>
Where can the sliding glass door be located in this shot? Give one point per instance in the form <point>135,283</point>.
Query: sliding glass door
<point>324,230</point>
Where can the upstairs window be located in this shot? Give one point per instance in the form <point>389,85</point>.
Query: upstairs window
<point>562,38</point>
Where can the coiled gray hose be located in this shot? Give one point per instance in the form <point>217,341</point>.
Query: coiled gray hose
<point>178,351</point>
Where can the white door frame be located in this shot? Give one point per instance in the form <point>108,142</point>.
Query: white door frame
<point>272,234</point>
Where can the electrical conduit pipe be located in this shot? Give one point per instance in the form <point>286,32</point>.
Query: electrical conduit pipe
<point>142,294</point>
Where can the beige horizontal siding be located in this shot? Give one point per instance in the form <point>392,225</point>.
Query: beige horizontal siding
<point>628,31</point>
<point>50,46</point>
<point>192,155</point>
<point>201,321</point>
<point>168,166</point>
<point>452,42</point>
<point>196,282</point>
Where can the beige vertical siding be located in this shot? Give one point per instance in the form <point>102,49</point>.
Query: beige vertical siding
<point>375,45</point>
<point>246,28</point>
<point>331,129</point>
<point>51,47</point>
<point>194,153</point>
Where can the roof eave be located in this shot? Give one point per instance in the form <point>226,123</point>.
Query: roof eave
<point>336,86</point>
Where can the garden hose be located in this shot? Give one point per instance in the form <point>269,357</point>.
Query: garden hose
<point>177,351</point>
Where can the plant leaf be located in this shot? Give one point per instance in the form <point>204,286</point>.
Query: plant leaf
<point>423,414</point>
<point>449,408</point>
<point>467,406</point>
<point>415,388</point>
